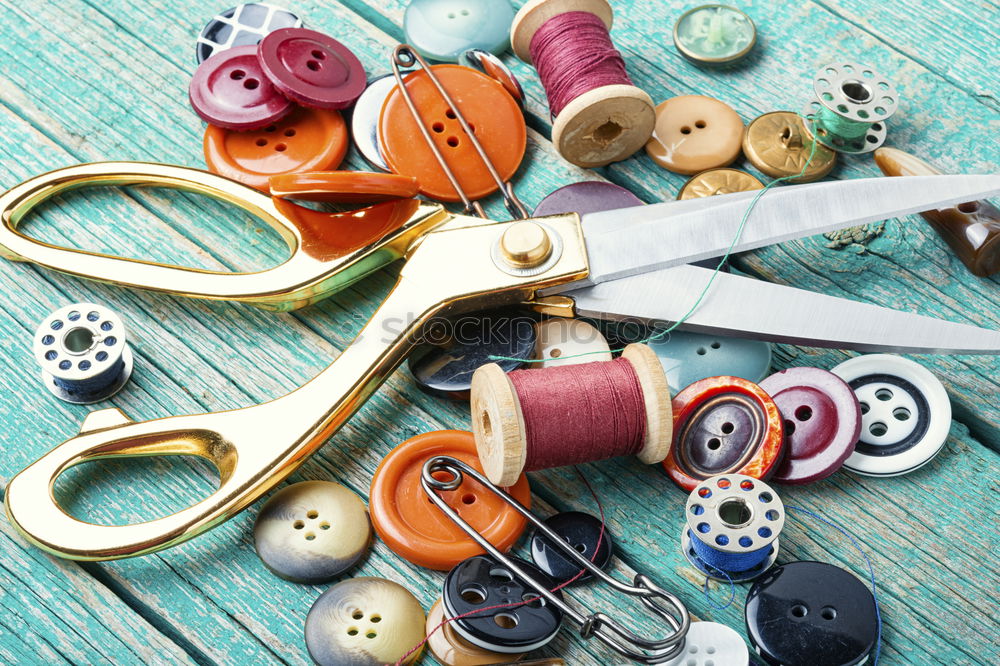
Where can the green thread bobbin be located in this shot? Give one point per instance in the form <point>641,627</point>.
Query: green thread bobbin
<point>851,105</point>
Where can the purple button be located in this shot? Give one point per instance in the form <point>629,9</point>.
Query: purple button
<point>311,68</point>
<point>230,90</point>
<point>590,196</point>
<point>822,422</point>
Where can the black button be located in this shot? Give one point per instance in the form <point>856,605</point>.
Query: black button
<point>457,347</point>
<point>811,614</point>
<point>581,531</point>
<point>480,582</point>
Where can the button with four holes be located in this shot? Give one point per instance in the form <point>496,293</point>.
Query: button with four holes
<point>451,649</point>
<point>811,614</point>
<point>526,620</point>
<point>305,140</point>
<point>822,422</point>
<point>231,91</point>
<point>905,414</point>
<point>444,29</point>
<point>724,425</point>
<point>414,528</point>
<point>694,133</point>
<point>584,533</point>
<point>311,68</point>
<point>711,644</point>
<point>364,622</point>
<point>687,357</point>
<point>491,113</point>
<point>242,25</point>
<point>312,532</point>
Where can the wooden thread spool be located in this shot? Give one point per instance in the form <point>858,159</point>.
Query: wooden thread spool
<point>501,431</point>
<point>604,125</point>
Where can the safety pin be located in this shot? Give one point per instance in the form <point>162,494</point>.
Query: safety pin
<point>596,624</point>
<point>405,56</point>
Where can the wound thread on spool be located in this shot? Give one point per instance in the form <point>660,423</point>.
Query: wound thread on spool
<point>564,415</point>
<point>600,115</point>
<point>850,108</point>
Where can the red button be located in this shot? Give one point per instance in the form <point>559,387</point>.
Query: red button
<point>312,68</point>
<point>231,91</point>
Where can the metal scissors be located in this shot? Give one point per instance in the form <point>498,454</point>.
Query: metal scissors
<point>625,263</point>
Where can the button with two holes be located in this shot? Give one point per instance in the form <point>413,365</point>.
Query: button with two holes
<point>444,29</point>
<point>311,532</point>
<point>724,425</point>
<point>711,644</point>
<point>231,91</point>
<point>311,68</point>
<point>694,133</point>
<point>905,414</point>
<point>688,357</point>
<point>481,582</point>
<point>584,533</point>
<point>364,622</point>
<point>811,614</point>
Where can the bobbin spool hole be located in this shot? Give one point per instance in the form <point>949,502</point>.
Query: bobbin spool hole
<point>735,512</point>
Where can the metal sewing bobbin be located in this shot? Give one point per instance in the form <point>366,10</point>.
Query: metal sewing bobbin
<point>850,108</point>
<point>733,523</point>
<point>83,353</point>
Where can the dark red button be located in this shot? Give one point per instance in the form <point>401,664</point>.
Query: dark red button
<point>822,422</point>
<point>230,90</point>
<point>724,425</point>
<point>311,68</point>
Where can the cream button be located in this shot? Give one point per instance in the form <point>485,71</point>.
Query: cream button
<point>694,133</point>
<point>567,342</point>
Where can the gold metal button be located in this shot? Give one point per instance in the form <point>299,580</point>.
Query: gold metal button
<point>719,181</point>
<point>778,145</point>
<point>525,245</point>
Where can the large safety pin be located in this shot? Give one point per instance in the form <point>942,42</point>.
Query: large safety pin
<point>595,624</point>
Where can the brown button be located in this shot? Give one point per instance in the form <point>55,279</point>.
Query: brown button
<point>694,133</point>
<point>451,649</point>
<point>719,181</point>
<point>778,145</point>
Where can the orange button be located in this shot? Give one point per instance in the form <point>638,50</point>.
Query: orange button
<point>343,186</point>
<point>493,117</point>
<point>305,140</point>
<point>414,528</point>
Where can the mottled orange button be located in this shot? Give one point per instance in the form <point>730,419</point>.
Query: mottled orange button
<point>694,133</point>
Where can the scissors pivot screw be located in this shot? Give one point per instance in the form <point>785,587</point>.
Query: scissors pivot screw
<point>525,245</point>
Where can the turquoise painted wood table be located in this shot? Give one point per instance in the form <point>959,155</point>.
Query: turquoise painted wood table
<point>86,80</point>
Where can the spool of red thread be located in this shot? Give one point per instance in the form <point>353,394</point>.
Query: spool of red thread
<point>564,415</point>
<point>600,116</point>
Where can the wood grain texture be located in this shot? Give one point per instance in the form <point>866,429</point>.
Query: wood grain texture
<point>89,80</point>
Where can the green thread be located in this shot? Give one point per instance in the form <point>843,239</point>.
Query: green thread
<point>836,125</point>
<point>708,285</point>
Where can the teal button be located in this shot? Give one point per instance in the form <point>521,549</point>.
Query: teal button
<point>714,34</point>
<point>443,29</point>
<point>688,357</point>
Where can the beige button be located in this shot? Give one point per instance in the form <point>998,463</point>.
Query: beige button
<point>777,144</point>
<point>451,649</point>
<point>719,181</point>
<point>564,338</point>
<point>694,133</point>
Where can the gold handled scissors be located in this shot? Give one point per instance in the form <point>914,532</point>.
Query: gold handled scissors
<point>613,264</point>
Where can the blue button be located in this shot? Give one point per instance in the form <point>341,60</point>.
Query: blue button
<point>688,357</point>
<point>443,29</point>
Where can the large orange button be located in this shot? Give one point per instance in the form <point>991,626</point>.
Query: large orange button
<point>491,112</point>
<point>414,528</point>
<point>305,140</point>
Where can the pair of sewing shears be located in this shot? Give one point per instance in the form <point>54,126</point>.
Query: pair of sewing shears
<point>625,263</point>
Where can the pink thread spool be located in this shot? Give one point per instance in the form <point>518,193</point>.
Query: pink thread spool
<point>600,116</point>
<point>563,415</point>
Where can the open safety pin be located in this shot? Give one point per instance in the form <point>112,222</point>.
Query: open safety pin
<point>626,263</point>
<point>599,625</point>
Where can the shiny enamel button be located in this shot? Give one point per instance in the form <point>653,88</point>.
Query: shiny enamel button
<point>231,91</point>
<point>711,644</point>
<point>714,34</point>
<point>443,29</point>
<point>493,67</point>
<point>305,140</point>
<point>583,532</point>
<point>451,649</point>
<point>724,425</point>
<point>688,357</point>
<point>312,532</point>
<point>242,25</point>
<point>493,116</point>
<point>779,146</point>
<point>364,622</point>
<point>905,412</point>
<point>311,68</point>
<point>588,196</point>
<point>822,422</point>
<point>414,528</point>
<point>343,186</point>
<point>480,582</point>
<point>364,119</point>
<point>694,133</point>
<point>811,614</point>
<point>571,340</point>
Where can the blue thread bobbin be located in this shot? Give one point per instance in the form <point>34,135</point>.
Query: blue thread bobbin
<point>733,523</point>
<point>83,353</point>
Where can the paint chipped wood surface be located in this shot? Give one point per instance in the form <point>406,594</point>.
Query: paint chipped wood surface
<point>87,80</point>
